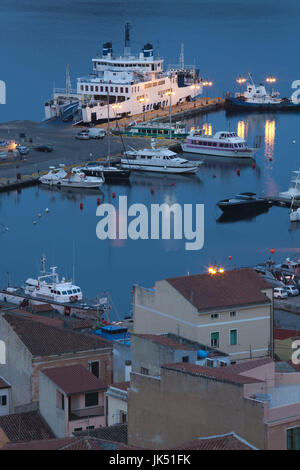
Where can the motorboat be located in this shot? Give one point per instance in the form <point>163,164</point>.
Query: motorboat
<point>78,179</point>
<point>244,203</point>
<point>54,175</point>
<point>158,159</point>
<point>112,174</point>
<point>221,144</point>
<point>294,190</point>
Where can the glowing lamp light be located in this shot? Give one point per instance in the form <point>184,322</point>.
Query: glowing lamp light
<point>214,270</point>
<point>240,80</point>
<point>270,79</point>
<point>221,270</point>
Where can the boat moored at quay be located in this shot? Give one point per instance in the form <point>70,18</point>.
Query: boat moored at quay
<point>256,98</point>
<point>63,296</point>
<point>221,144</point>
<point>123,85</point>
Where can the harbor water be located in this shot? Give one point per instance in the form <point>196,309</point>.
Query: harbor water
<point>220,38</point>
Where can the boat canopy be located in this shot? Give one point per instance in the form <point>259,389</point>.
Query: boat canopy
<point>32,282</point>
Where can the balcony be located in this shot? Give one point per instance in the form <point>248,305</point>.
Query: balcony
<point>90,412</point>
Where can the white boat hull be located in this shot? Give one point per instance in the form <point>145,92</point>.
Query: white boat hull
<point>75,184</point>
<point>160,169</point>
<point>218,153</point>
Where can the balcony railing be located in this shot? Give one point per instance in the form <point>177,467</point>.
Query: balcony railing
<point>86,412</point>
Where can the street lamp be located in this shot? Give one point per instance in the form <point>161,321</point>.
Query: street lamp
<point>271,81</point>
<point>240,81</point>
<point>207,84</point>
<point>195,87</point>
<point>170,93</point>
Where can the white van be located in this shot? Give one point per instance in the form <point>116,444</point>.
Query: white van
<point>280,293</point>
<point>96,133</point>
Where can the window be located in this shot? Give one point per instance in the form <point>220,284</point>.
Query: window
<point>233,337</point>
<point>232,314</point>
<point>77,429</point>
<point>94,368</point>
<point>144,371</point>
<point>123,417</point>
<point>293,439</point>
<point>90,427</point>
<point>214,316</point>
<point>3,400</point>
<point>185,359</point>
<point>214,340</point>
<point>209,363</point>
<point>60,400</point>
<point>91,399</point>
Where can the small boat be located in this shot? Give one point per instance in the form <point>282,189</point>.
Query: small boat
<point>294,190</point>
<point>295,215</point>
<point>244,202</point>
<point>54,176</point>
<point>112,174</point>
<point>78,179</point>
<point>161,160</point>
<point>256,98</point>
<point>221,144</point>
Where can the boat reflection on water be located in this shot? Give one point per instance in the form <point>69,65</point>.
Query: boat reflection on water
<point>163,180</point>
<point>247,216</point>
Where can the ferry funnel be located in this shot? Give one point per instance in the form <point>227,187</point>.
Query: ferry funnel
<point>127,40</point>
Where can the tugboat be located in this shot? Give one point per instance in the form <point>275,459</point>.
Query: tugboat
<point>256,98</point>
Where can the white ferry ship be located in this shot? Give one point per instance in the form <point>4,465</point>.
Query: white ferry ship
<point>123,85</point>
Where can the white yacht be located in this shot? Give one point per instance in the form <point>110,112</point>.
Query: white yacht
<point>123,85</point>
<point>78,179</point>
<point>294,190</point>
<point>54,176</point>
<point>221,144</point>
<point>159,159</point>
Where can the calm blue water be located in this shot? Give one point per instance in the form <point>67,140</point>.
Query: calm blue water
<point>224,39</point>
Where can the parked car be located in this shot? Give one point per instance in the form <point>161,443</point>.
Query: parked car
<point>280,293</point>
<point>96,133</point>
<point>22,149</point>
<point>44,148</point>
<point>84,135</point>
<point>292,290</point>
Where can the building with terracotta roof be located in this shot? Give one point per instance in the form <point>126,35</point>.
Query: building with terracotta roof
<point>230,311</point>
<point>26,426</point>
<point>32,345</point>
<point>188,402</point>
<point>69,443</point>
<point>150,351</point>
<point>229,441</point>
<point>116,399</point>
<point>71,399</point>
